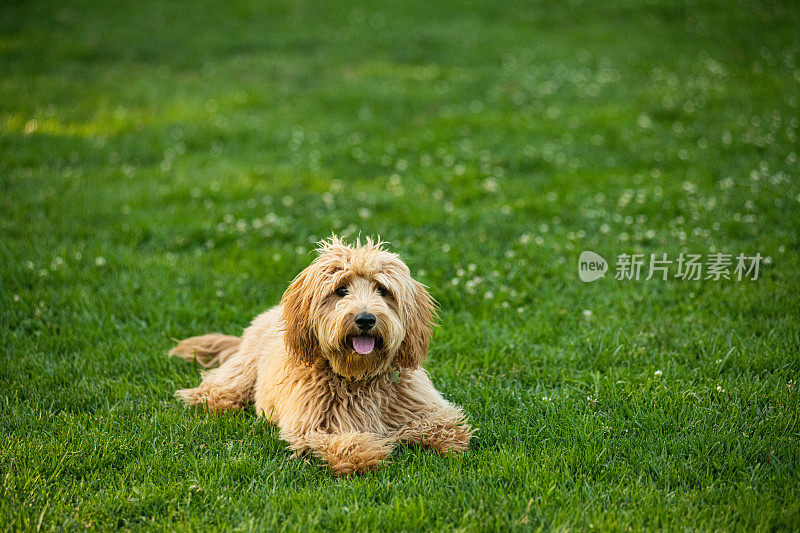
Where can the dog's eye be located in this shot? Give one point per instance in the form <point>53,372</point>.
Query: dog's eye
<point>382,292</point>
<point>341,291</point>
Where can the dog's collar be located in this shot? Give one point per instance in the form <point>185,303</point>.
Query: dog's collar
<point>392,375</point>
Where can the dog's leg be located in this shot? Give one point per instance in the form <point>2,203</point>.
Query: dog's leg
<point>228,387</point>
<point>420,414</point>
<point>346,453</point>
<point>445,429</point>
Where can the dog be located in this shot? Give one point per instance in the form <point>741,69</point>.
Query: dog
<point>337,364</point>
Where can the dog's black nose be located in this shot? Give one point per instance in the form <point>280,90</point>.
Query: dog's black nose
<point>365,321</point>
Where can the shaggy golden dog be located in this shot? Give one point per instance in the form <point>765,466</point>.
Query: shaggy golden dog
<point>336,365</point>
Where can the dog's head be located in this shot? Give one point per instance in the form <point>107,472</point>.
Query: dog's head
<point>359,308</point>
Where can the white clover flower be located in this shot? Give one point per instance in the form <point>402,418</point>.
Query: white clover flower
<point>490,185</point>
<point>658,373</point>
<point>100,261</point>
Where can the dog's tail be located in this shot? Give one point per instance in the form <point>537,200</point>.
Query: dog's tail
<point>208,350</point>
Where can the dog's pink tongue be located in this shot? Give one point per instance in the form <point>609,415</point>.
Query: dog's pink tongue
<point>363,345</point>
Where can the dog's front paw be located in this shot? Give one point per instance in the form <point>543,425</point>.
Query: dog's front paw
<point>454,439</point>
<point>354,453</point>
<point>446,431</point>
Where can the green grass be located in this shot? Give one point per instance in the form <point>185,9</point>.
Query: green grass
<point>165,168</point>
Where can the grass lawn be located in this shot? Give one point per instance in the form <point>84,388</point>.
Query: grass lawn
<point>166,167</point>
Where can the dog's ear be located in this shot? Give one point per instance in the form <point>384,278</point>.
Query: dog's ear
<point>301,341</point>
<point>422,312</point>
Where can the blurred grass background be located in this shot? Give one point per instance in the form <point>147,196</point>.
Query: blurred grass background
<point>166,167</point>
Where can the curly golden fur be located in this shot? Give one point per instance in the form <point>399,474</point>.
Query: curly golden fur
<point>337,364</point>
